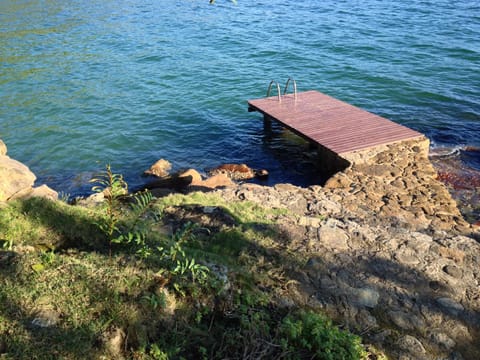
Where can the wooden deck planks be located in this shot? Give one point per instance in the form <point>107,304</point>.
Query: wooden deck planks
<point>335,124</point>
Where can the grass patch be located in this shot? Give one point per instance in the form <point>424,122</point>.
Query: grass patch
<point>44,223</point>
<point>209,289</point>
<point>242,211</point>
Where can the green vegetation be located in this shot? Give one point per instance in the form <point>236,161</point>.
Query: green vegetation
<point>182,277</point>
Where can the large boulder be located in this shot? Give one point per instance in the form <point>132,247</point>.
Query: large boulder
<point>14,177</point>
<point>16,180</point>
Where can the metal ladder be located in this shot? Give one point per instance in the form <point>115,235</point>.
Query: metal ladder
<point>284,90</point>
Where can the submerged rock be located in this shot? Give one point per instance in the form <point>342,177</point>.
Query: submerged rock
<point>188,180</point>
<point>216,181</point>
<point>238,172</point>
<point>192,175</point>
<point>159,169</point>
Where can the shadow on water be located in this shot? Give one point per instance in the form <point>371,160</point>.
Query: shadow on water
<point>292,159</point>
<point>324,282</point>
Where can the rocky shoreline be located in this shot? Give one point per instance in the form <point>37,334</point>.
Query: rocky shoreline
<point>386,251</point>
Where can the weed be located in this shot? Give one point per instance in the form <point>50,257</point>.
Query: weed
<point>156,300</point>
<point>115,188</point>
<point>309,332</point>
<point>63,196</point>
<point>48,257</point>
<point>7,243</point>
<point>182,270</point>
<point>157,354</point>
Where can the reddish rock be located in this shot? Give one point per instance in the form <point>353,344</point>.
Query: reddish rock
<point>238,171</point>
<point>215,181</point>
<point>460,181</point>
<point>193,175</point>
<point>472,148</point>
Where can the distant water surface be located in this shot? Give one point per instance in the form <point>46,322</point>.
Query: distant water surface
<point>126,82</point>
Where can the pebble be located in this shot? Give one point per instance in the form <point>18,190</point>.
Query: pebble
<point>401,319</point>
<point>334,238</point>
<point>209,209</point>
<point>366,320</point>
<point>46,318</point>
<point>407,259</point>
<point>367,297</point>
<point>309,221</point>
<point>443,340</point>
<point>314,264</point>
<point>435,285</point>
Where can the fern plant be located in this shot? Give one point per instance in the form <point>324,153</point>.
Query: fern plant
<point>178,265</point>
<point>114,188</point>
<point>140,206</point>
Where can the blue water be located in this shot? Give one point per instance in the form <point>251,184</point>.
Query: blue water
<point>126,82</point>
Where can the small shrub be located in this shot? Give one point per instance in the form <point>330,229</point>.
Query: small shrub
<point>181,269</point>
<point>309,332</point>
<point>115,188</point>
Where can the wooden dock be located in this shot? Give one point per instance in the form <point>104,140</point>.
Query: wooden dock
<point>336,125</point>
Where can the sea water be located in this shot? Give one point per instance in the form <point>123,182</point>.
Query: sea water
<point>126,82</point>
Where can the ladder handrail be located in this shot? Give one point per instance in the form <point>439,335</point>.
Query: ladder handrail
<point>278,89</point>
<point>294,87</point>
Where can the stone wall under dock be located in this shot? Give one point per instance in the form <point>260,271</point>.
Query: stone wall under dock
<point>398,181</point>
<point>419,145</point>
